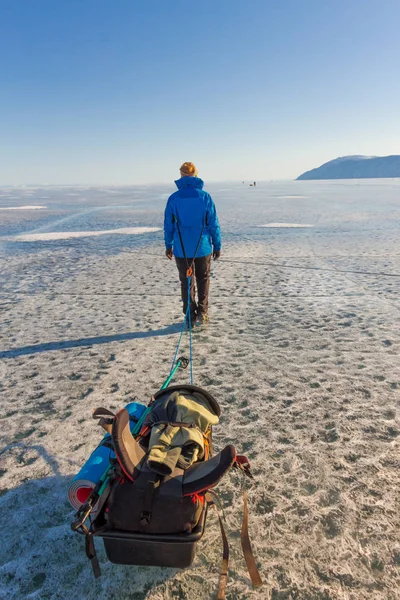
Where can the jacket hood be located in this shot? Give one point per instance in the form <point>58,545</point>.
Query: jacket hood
<point>189,182</point>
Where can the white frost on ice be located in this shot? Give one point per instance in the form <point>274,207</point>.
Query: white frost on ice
<point>290,197</point>
<point>65,235</point>
<point>32,207</point>
<point>81,330</point>
<point>287,225</point>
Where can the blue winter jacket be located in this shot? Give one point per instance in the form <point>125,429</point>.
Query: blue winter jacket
<point>194,211</point>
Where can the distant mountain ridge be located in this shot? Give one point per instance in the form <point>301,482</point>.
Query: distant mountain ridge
<point>356,167</point>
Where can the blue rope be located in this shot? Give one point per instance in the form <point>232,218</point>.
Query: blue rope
<point>178,344</point>
<point>190,333</point>
<point>188,315</point>
<point>188,320</point>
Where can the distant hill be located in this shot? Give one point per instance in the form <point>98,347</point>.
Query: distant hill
<point>356,167</point>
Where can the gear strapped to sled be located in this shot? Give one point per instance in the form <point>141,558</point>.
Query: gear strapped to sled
<point>166,468</point>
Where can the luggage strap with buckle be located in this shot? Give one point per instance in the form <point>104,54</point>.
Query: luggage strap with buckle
<point>214,501</point>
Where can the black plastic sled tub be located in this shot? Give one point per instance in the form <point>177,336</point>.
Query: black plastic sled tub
<point>162,550</point>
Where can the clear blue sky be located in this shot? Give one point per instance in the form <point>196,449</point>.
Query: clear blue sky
<point>123,91</point>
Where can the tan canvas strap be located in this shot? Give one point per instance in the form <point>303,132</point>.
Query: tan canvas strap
<point>102,412</point>
<point>211,496</point>
<point>105,418</point>
<point>213,500</point>
<point>246,546</point>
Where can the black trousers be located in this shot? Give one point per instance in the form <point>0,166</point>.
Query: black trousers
<point>201,274</point>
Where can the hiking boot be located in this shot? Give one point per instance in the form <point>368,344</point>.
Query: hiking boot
<point>203,319</point>
<point>193,318</point>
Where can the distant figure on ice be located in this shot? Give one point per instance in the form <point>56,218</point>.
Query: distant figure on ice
<point>192,234</point>
<point>255,183</point>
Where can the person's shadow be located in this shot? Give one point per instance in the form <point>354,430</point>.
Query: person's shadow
<point>90,341</point>
<point>41,556</point>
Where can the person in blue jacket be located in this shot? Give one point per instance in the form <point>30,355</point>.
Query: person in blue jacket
<point>192,235</point>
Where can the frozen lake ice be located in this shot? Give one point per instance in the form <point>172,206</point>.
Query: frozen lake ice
<point>302,353</point>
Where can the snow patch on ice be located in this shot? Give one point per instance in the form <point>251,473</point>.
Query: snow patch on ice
<point>31,207</point>
<point>65,235</point>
